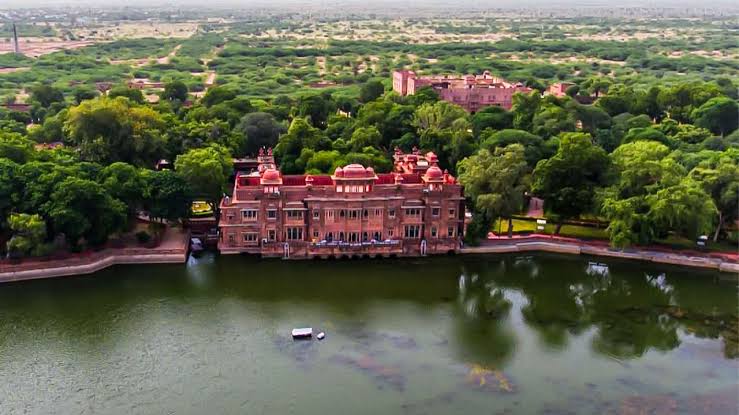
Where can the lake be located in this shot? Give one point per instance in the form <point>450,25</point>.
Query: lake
<point>499,334</point>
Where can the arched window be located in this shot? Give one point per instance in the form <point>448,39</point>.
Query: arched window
<point>377,236</point>
<point>342,213</point>
<point>341,236</point>
<point>365,236</point>
<point>365,213</point>
<point>330,236</point>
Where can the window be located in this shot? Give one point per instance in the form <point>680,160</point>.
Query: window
<point>433,232</point>
<point>353,214</point>
<point>452,213</point>
<point>376,236</point>
<point>271,213</point>
<point>378,212</point>
<point>329,214</point>
<point>231,237</point>
<point>249,214</point>
<point>230,217</point>
<point>365,213</point>
<point>412,231</point>
<point>330,236</point>
<point>342,213</point>
<point>413,212</point>
<point>391,213</point>
<point>353,237</point>
<point>450,231</point>
<point>435,212</point>
<point>315,234</point>
<point>295,214</point>
<point>316,214</point>
<point>365,237</point>
<point>341,236</point>
<point>250,237</point>
<point>271,234</point>
<point>390,233</point>
<point>339,189</point>
<point>294,234</point>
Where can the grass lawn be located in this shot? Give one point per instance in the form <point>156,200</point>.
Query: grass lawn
<point>575,231</point>
<point>500,227</point>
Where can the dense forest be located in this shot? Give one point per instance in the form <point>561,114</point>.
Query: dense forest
<point>656,156</point>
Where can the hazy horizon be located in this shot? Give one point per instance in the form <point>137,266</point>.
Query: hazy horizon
<point>426,4</point>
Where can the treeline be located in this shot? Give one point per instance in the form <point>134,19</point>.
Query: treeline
<point>653,162</point>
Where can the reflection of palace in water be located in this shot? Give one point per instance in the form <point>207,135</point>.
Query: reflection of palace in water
<point>417,209</point>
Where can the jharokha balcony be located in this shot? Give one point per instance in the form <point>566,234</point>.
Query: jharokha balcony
<point>417,209</point>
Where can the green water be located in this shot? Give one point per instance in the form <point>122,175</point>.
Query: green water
<point>453,335</point>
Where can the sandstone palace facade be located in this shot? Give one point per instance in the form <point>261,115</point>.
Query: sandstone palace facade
<point>471,92</point>
<point>417,209</point>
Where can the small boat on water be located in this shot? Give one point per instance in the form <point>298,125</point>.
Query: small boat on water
<point>196,246</point>
<point>303,333</point>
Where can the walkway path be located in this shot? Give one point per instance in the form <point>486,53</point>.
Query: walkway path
<point>172,249</point>
<point>723,261</point>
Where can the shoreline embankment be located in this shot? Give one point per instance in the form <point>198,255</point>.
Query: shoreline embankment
<point>175,252</point>
<point>716,261</point>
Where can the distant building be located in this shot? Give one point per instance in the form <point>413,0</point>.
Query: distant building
<point>417,209</point>
<point>558,89</point>
<point>471,92</point>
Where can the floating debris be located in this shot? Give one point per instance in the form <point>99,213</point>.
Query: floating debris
<point>304,333</point>
<point>321,336</point>
<point>486,378</point>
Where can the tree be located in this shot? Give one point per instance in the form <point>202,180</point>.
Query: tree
<point>720,115</point>
<point>217,95</point>
<point>524,107</point>
<point>206,170</point>
<point>496,182</point>
<point>535,148</point>
<point>316,107</point>
<point>15,147</point>
<point>82,208</point>
<point>167,195</point>
<point>300,135</point>
<point>29,233</point>
<point>492,117</point>
<point>568,181</point>
<point>365,137</point>
<point>651,197</point>
<point>45,95</point>
<point>551,119</point>
<point>176,90</point>
<point>11,187</point>
<point>83,94</point>
<point>133,95</point>
<point>260,129</point>
<point>109,130</point>
<point>371,90</point>
<point>720,179</point>
<point>437,116</point>
<point>125,183</point>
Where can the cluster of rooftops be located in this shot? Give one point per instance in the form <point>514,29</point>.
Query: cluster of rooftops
<point>412,168</point>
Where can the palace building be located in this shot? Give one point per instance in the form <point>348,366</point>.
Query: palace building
<point>417,209</point>
<point>471,92</point>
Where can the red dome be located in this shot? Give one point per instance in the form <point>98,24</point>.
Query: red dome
<point>339,172</point>
<point>434,173</point>
<point>271,174</point>
<point>355,171</point>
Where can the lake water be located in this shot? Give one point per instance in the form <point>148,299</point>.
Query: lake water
<point>533,334</point>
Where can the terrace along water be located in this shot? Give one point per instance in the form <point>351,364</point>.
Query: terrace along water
<point>493,335</point>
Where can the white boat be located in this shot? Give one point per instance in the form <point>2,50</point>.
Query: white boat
<point>302,333</point>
